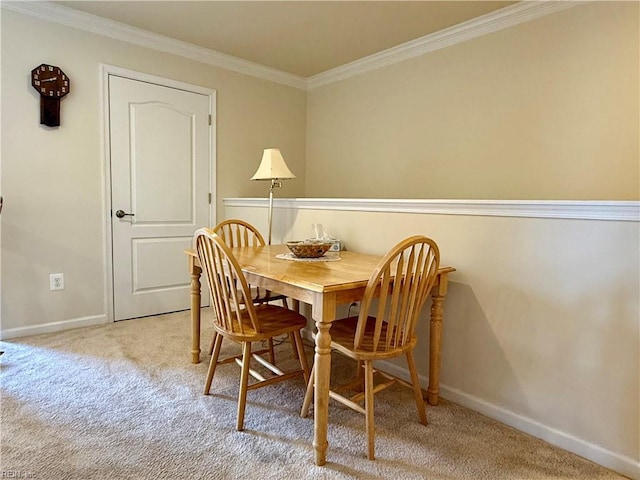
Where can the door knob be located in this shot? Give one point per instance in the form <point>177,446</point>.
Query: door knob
<point>121,214</point>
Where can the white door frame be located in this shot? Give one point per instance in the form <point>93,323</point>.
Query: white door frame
<point>105,72</point>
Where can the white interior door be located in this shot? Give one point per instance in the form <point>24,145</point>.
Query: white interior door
<point>160,142</point>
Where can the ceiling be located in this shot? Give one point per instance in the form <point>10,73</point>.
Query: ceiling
<point>303,38</point>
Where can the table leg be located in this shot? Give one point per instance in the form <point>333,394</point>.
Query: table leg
<point>195,272</point>
<point>321,394</point>
<point>435,339</point>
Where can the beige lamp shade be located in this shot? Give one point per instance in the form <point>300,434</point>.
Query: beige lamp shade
<point>272,166</point>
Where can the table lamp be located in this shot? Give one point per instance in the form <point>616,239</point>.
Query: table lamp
<point>272,167</point>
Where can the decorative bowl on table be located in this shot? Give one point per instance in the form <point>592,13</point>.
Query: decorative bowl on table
<point>309,248</point>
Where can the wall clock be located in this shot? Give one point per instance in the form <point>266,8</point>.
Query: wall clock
<point>52,84</point>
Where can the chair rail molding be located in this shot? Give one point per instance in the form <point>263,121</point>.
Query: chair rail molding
<point>610,210</point>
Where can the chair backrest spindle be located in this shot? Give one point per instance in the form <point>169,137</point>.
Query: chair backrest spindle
<point>230,293</point>
<point>403,278</point>
<point>238,233</point>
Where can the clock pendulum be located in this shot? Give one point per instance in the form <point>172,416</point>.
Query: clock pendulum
<point>52,84</point>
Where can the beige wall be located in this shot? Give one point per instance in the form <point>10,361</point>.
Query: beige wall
<point>540,324</point>
<point>52,179</point>
<point>548,109</point>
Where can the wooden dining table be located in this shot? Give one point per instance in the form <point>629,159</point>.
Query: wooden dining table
<point>324,285</point>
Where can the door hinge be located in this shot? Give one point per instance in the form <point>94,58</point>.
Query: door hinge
<point>209,199</point>
<point>210,119</point>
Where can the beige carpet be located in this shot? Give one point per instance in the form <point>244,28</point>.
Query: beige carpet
<point>123,401</point>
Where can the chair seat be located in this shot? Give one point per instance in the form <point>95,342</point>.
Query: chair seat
<point>343,332</point>
<point>274,320</point>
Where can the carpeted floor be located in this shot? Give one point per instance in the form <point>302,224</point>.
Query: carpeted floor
<point>123,401</point>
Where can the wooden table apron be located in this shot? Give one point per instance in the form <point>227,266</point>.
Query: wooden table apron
<point>323,285</point>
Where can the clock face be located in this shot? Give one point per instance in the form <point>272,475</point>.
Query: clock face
<point>50,81</point>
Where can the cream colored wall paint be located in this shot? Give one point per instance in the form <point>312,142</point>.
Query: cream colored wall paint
<point>53,184</point>
<point>548,109</point>
<point>541,318</point>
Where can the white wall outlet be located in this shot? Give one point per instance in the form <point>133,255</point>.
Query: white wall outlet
<point>56,281</point>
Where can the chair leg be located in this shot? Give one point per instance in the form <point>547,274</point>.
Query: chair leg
<point>293,346</point>
<point>297,340</point>
<point>213,340</point>
<point>359,376</point>
<point>244,380</point>
<point>285,304</point>
<point>272,353</point>
<point>216,343</point>
<point>368,406</point>
<point>417,392</point>
<point>308,396</point>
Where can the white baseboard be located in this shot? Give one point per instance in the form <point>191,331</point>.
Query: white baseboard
<point>619,463</point>
<point>8,333</point>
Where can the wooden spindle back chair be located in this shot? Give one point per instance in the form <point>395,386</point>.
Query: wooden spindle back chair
<point>238,319</point>
<point>385,326</point>
<point>238,233</point>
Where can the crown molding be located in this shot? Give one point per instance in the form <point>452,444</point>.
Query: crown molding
<point>492,22</point>
<point>506,17</point>
<point>626,211</point>
<point>69,17</point>
<point>500,19</point>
